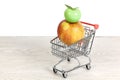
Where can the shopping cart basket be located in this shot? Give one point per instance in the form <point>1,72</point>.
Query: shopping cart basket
<point>80,48</point>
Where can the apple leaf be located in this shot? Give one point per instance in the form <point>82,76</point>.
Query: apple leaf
<point>70,7</point>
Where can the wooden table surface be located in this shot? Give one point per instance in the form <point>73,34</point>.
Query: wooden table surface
<point>29,58</point>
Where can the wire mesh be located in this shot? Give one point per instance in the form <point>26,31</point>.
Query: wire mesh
<point>82,47</point>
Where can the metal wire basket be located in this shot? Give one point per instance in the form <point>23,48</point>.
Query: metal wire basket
<point>80,48</point>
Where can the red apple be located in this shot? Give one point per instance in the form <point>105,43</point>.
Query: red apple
<point>70,33</point>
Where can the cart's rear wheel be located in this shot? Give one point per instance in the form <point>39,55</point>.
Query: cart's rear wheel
<point>88,66</point>
<point>64,75</point>
<point>54,70</point>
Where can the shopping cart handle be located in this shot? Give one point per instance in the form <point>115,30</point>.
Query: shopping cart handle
<point>96,26</point>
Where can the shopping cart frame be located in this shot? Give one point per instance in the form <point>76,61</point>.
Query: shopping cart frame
<point>83,49</point>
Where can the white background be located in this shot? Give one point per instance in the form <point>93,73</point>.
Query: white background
<point>41,17</point>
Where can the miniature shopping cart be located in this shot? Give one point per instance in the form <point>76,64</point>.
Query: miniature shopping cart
<point>80,48</point>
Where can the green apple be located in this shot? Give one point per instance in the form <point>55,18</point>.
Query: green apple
<point>72,15</point>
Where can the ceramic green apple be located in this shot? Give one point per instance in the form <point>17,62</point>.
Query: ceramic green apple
<point>72,15</point>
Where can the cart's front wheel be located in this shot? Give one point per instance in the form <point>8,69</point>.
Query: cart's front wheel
<point>54,70</point>
<point>68,59</point>
<point>88,66</point>
<point>64,75</point>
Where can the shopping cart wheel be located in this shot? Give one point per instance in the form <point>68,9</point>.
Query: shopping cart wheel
<point>88,66</point>
<point>54,70</point>
<point>64,74</point>
<point>68,59</point>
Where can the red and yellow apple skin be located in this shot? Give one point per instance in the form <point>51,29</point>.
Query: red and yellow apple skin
<point>70,33</point>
